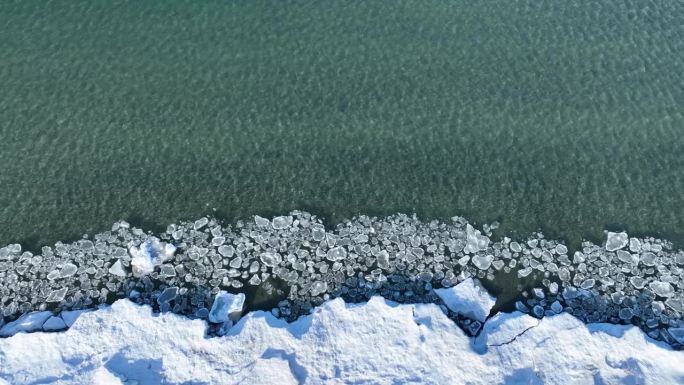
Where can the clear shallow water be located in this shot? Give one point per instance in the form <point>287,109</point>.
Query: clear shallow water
<point>565,116</point>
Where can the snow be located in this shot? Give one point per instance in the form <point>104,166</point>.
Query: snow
<point>226,306</point>
<point>151,253</point>
<point>378,341</point>
<point>469,299</point>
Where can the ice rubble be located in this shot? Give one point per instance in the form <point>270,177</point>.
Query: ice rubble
<point>296,259</point>
<point>374,342</point>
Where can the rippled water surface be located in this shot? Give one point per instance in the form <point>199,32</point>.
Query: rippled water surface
<point>566,116</point>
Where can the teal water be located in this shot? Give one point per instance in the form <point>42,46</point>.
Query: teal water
<point>565,116</point>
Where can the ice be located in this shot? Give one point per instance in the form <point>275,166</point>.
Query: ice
<point>54,324</point>
<point>468,298</point>
<point>634,245</point>
<point>270,259</point>
<point>151,253</point>
<point>167,271</point>
<point>226,250</point>
<point>675,304</point>
<point>537,311</point>
<point>226,307</point>
<point>68,270</point>
<point>282,222</point>
<point>648,258</point>
<point>522,273</point>
<point>200,223</point>
<point>383,259</point>
<point>318,287</point>
<point>561,249</point>
<point>318,233</point>
<point>482,262</point>
<point>71,316</point>
<point>169,294</point>
<point>27,323</point>
<point>677,334</point>
<point>261,222</point>
<point>515,247</point>
<point>57,295</point>
<point>637,282</point>
<point>662,289</point>
<point>616,241</point>
<point>117,269</point>
<point>336,254</point>
<point>474,240</point>
<point>556,307</point>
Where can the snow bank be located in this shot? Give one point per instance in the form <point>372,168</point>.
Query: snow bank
<point>375,342</point>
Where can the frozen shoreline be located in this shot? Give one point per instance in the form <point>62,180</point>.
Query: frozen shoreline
<point>378,342</point>
<point>298,264</point>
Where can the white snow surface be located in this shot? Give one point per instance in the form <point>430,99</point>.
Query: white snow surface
<point>468,298</point>
<point>378,342</point>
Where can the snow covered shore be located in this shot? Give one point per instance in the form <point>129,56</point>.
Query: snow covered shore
<point>374,342</point>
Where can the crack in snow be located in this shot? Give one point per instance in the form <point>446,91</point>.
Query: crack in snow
<point>515,337</point>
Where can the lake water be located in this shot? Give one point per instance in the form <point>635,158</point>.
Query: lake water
<point>562,116</point>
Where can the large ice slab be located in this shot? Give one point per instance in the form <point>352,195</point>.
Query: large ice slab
<point>339,343</point>
<point>27,323</point>
<point>468,298</point>
<point>226,306</point>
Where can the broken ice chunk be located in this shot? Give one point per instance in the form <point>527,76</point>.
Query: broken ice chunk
<point>68,270</point>
<point>70,316</point>
<point>166,271</point>
<point>318,233</point>
<point>675,304</point>
<point>169,294</point>
<point>283,222</point>
<point>616,241</point>
<point>677,334</point>
<point>117,269</point>
<point>648,258</point>
<point>383,259</point>
<point>662,289</point>
<point>336,254</point>
<point>200,223</point>
<point>226,250</point>
<point>475,241</point>
<point>54,324</point>
<point>482,262</point>
<point>469,299</point>
<point>261,222</point>
<point>151,253</point>
<point>318,287</point>
<point>270,259</point>
<point>27,323</point>
<point>226,307</point>
<point>57,295</point>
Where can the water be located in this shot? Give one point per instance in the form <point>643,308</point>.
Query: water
<point>564,116</point>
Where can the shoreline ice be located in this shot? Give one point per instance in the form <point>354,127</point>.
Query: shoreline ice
<point>378,342</point>
<point>296,260</point>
